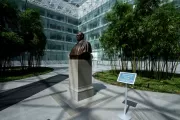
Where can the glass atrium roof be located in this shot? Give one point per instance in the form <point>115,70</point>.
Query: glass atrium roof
<point>74,8</point>
<point>76,2</point>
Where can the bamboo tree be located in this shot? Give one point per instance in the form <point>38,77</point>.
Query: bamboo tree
<point>150,31</point>
<point>34,37</point>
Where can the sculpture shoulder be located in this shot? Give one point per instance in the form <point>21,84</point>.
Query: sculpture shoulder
<point>85,41</point>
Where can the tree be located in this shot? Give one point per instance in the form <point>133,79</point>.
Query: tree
<point>146,7</point>
<point>164,26</point>
<point>111,40</point>
<point>21,34</point>
<point>150,31</point>
<point>8,26</point>
<point>34,37</point>
<point>9,15</point>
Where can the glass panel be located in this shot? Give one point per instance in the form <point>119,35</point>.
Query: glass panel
<point>52,35</point>
<point>75,31</point>
<point>42,12</point>
<point>73,21</point>
<point>84,28</point>
<point>94,36</point>
<point>62,28</point>
<point>47,23</point>
<point>93,25</point>
<point>96,13</point>
<point>69,30</point>
<point>50,15</point>
<point>60,37</point>
<point>104,21</point>
<point>53,26</point>
<point>96,45</point>
<point>68,38</point>
<point>60,18</point>
<point>58,27</point>
<point>53,46</point>
<point>105,7</point>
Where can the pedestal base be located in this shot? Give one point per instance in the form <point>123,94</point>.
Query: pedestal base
<point>82,93</point>
<point>126,116</point>
<point>80,79</point>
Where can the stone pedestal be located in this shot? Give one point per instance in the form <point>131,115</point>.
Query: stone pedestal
<point>80,75</point>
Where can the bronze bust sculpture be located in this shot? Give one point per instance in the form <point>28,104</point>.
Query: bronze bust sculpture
<point>82,50</point>
<point>80,69</point>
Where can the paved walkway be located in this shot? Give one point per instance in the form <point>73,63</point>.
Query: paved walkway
<point>13,96</point>
<point>50,100</point>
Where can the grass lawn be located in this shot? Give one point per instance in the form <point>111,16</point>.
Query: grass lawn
<point>142,83</point>
<point>16,73</point>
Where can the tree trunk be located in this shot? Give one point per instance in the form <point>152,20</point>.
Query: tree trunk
<point>150,63</point>
<point>166,68</point>
<point>134,63</point>
<point>120,64</point>
<point>175,68</point>
<point>0,67</point>
<point>122,61</point>
<point>22,61</point>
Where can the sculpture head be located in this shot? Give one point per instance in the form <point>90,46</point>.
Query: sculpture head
<point>80,36</point>
<point>81,50</point>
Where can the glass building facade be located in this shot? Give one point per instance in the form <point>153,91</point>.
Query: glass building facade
<point>62,19</point>
<point>93,24</point>
<point>60,31</point>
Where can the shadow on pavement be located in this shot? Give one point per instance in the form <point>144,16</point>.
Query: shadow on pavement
<point>13,96</point>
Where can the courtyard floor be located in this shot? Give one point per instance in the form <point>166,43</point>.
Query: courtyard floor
<point>47,97</point>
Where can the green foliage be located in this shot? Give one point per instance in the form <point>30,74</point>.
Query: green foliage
<point>21,34</point>
<point>146,7</point>
<point>142,82</point>
<point>10,46</point>
<point>111,38</point>
<point>9,15</point>
<point>150,31</point>
<point>11,38</point>
<point>34,37</point>
<point>16,73</point>
<point>164,25</point>
<point>30,21</point>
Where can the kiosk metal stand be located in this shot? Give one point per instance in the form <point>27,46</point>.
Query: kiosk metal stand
<point>127,78</point>
<point>124,115</point>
